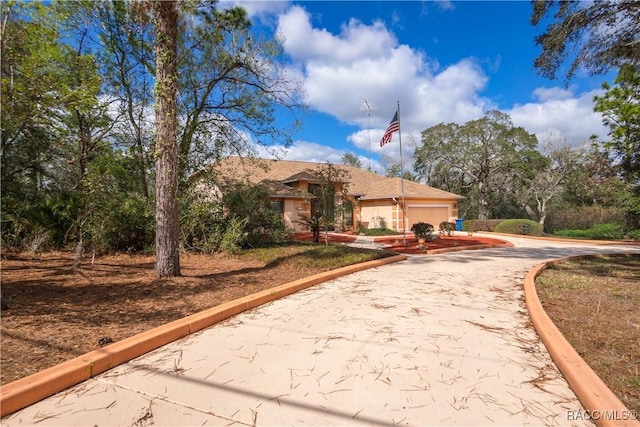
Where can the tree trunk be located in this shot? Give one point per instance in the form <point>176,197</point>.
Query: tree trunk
<point>530,212</point>
<point>167,218</point>
<point>542,208</point>
<point>482,201</point>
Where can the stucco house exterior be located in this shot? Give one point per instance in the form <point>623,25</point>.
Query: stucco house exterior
<point>376,200</point>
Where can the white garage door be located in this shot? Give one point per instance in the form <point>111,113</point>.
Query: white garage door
<point>433,215</point>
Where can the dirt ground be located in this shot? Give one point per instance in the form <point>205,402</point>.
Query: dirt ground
<point>596,305</point>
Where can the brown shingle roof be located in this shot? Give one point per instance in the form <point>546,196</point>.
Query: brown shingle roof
<point>363,183</point>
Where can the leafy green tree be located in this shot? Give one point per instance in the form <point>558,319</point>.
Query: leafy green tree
<point>78,87</point>
<point>394,169</point>
<point>596,36</point>
<point>231,83</point>
<point>592,193</point>
<point>327,199</point>
<point>351,159</point>
<point>118,217</point>
<point>32,66</point>
<point>477,157</point>
<point>548,180</point>
<point>52,122</point>
<point>620,108</point>
<point>84,123</point>
<point>232,86</point>
<point>594,181</point>
<point>126,61</point>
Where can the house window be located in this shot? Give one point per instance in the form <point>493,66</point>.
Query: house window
<point>277,205</point>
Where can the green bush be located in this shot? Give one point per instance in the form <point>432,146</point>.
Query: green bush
<point>632,234</point>
<point>447,227</point>
<point>597,232</point>
<point>519,226</point>
<point>422,230</point>
<point>202,223</point>
<point>266,229</point>
<point>481,224</point>
<point>243,218</point>
<point>126,223</point>
<point>583,218</point>
<point>235,236</point>
<point>377,231</point>
<point>263,225</point>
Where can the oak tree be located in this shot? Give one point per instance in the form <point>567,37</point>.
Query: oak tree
<point>476,156</point>
<point>596,36</point>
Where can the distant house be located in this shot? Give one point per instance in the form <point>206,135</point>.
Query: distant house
<point>375,200</point>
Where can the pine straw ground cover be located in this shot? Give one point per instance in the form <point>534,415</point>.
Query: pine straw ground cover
<point>595,302</point>
<point>57,312</point>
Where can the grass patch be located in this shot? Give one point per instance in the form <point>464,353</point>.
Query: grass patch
<point>378,232</point>
<point>321,256</point>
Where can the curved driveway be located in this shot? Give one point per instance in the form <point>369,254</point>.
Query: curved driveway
<point>433,340</point>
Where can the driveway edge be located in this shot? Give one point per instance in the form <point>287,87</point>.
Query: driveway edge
<point>26,391</point>
<point>600,403</point>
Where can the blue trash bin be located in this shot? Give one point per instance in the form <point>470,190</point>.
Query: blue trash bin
<point>459,224</point>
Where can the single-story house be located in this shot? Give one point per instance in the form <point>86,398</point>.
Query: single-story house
<point>376,200</point>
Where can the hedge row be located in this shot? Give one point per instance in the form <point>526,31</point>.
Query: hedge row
<point>508,226</point>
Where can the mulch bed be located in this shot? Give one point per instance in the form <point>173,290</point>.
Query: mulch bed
<point>411,246</point>
<point>442,243</point>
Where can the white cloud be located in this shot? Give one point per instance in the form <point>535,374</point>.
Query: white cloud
<point>544,94</point>
<point>306,151</point>
<point>445,5</point>
<point>356,41</point>
<point>560,112</point>
<point>367,61</point>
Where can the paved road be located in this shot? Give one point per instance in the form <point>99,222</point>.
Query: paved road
<point>433,340</point>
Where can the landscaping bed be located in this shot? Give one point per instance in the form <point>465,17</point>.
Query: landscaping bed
<point>442,243</point>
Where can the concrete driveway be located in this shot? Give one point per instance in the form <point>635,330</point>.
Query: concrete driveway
<point>433,340</point>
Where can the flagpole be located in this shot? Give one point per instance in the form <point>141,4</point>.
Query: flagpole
<point>369,116</point>
<point>404,216</point>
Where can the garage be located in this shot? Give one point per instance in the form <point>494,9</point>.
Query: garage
<point>433,215</point>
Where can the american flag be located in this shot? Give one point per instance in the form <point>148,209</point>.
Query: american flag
<point>394,126</point>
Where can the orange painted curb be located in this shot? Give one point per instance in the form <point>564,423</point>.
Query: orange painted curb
<point>21,393</point>
<point>600,403</point>
<point>29,390</point>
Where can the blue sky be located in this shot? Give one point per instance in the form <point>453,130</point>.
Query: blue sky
<point>443,61</point>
